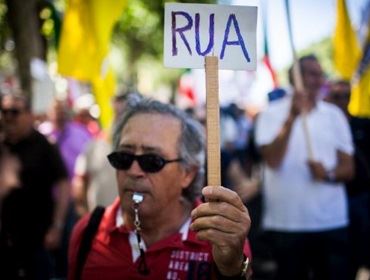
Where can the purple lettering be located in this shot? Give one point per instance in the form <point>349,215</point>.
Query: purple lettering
<point>211,32</point>
<point>240,41</point>
<point>180,30</point>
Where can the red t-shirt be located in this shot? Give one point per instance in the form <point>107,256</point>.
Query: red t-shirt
<point>179,256</point>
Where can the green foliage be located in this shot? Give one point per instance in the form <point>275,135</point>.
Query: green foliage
<point>324,52</point>
<point>4,29</point>
<point>139,33</point>
<point>323,49</point>
<point>141,26</point>
<point>6,45</point>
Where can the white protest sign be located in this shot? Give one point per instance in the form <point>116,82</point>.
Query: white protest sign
<point>193,31</point>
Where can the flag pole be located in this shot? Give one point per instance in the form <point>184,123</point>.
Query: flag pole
<point>298,82</point>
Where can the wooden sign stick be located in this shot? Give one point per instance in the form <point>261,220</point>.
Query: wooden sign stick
<point>213,122</point>
<point>298,83</point>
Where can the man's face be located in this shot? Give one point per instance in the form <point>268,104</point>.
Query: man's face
<point>339,95</point>
<point>313,77</point>
<point>17,120</point>
<point>152,134</point>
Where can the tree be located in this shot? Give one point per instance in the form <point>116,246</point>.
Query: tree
<point>140,33</point>
<point>323,49</point>
<point>24,24</point>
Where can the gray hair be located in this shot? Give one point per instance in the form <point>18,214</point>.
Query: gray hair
<point>191,141</point>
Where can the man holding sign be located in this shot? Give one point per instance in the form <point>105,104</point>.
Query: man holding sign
<point>158,228</point>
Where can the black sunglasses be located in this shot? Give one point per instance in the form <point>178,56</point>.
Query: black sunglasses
<point>150,163</point>
<point>14,112</point>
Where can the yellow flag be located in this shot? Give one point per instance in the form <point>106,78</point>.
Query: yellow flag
<point>85,44</point>
<point>359,104</point>
<point>78,53</point>
<point>85,38</point>
<point>104,87</point>
<point>347,50</point>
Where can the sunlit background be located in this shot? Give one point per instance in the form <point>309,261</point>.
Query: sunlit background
<point>134,53</point>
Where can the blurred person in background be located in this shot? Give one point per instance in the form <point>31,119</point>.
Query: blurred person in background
<point>9,180</point>
<point>71,138</point>
<point>83,109</point>
<point>358,189</point>
<point>34,214</point>
<point>94,181</point>
<point>305,203</point>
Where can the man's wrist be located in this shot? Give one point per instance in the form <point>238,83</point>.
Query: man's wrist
<point>330,177</point>
<point>240,275</point>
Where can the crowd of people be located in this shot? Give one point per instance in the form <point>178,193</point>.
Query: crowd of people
<point>294,201</point>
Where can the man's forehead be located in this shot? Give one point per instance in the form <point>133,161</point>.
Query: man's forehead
<point>151,130</point>
<point>145,148</point>
<point>311,64</point>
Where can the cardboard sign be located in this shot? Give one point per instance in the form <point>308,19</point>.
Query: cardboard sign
<point>193,31</point>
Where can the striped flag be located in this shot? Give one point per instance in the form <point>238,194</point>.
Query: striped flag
<point>266,53</point>
<point>267,62</point>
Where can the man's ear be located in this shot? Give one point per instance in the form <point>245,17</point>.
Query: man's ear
<point>188,176</point>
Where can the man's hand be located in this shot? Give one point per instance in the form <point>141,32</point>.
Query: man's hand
<point>299,104</point>
<point>223,221</point>
<point>318,171</point>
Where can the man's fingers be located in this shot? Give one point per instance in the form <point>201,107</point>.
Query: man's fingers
<point>218,193</point>
<point>220,239</point>
<point>222,209</point>
<point>218,223</point>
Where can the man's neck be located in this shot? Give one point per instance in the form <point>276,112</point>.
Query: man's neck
<point>310,102</point>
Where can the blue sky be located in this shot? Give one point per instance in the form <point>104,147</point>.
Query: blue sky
<point>312,20</point>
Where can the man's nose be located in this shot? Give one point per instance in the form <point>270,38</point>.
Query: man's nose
<point>135,169</point>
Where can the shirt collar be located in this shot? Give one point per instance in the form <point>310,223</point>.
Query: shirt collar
<point>120,221</point>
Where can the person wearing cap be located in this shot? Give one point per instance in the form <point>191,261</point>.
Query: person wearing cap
<point>358,189</point>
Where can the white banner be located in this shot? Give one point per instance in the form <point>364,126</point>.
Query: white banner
<point>192,31</point>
